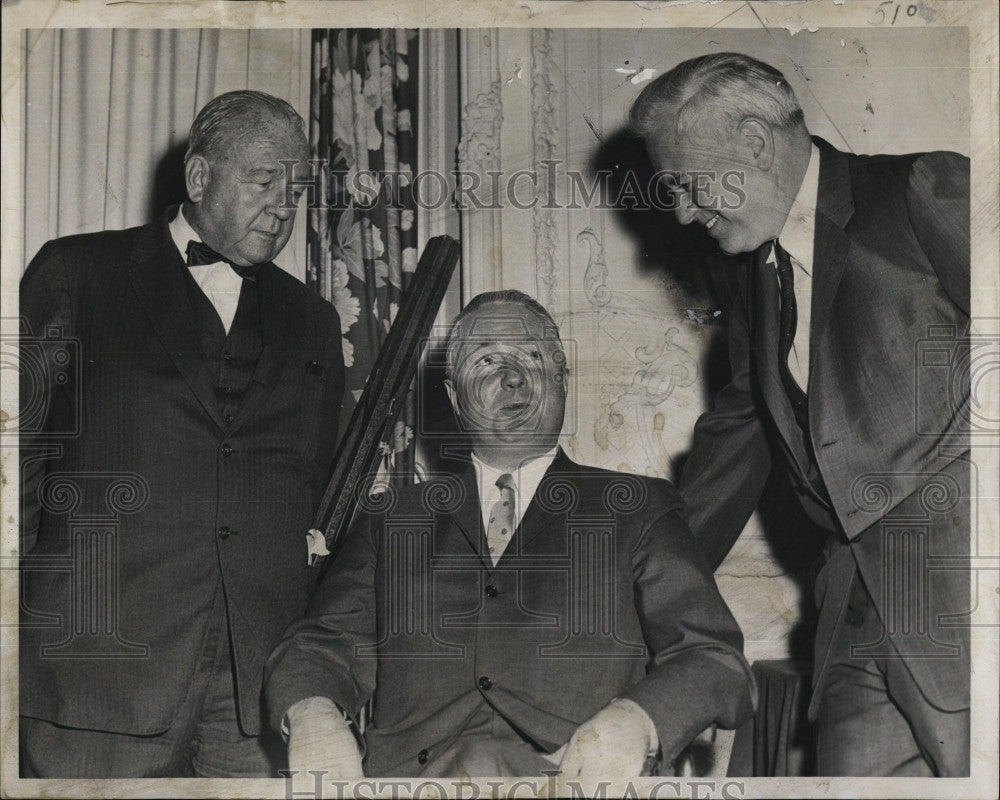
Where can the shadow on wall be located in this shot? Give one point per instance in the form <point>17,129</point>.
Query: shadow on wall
<point>168,182</point>
<point>644,213</point>
<point>663,247</point>
<point>443,447</point>
<point>680,254</point>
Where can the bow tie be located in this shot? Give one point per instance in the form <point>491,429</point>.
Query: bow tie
<point>199,253</point>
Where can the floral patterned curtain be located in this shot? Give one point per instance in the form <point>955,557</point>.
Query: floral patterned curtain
<point>361,245</point>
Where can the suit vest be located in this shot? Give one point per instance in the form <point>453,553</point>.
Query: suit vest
<point>231,358</point>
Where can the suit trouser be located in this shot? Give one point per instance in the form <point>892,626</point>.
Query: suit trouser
<point>204,740</point>
<point>873,719</point>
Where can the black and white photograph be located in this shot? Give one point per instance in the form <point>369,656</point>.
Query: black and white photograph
<point>497,400</point>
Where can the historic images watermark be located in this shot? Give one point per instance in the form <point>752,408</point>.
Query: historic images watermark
<point>315,786</point>
<point>549,186</point>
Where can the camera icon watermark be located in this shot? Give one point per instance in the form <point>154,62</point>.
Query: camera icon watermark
<point>45,364</point>
<point>516,383</point>
<point>952,374</point>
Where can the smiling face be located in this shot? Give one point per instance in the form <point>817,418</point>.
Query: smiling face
<point>238,197</point>
<point>508,382</point>
<point>732,186</point>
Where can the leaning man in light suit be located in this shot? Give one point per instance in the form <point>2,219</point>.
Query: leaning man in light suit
<point>525,614</point>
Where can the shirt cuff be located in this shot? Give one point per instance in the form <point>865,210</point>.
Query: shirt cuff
<point>643,718</point>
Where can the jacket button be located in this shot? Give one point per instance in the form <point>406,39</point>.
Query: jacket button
<point>227,355</point>
<point>422,757</point>
<point>224,532</point>
<point>492,591</point>
<point>227,449</point>
<point>485,683</point>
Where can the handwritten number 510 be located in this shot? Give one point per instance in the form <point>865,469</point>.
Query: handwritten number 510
<point>881,12</point>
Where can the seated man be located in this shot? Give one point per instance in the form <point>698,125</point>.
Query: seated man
<point>526,614</point>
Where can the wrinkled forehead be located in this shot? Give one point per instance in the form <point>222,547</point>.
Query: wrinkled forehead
<point>272,141</point>
<point>675,153</point>
<point>505,322</point>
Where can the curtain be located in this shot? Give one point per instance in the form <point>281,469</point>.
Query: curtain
<point>362,237</point>
<point>107,112</point>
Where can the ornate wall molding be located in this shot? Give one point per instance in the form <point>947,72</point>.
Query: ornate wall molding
<point>544,141</point>
<point>479,152</point>
<point>482,118</point>
<point>649,363</point>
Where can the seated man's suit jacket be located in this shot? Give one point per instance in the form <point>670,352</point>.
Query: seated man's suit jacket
<point>601,593</point>
<point>154,505</point>
<point>888,411</point>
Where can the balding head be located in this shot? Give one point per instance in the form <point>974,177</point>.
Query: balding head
<point>231,117</point>
<point>236,169</point>
<point>713,93</point>
<point>728,138</point>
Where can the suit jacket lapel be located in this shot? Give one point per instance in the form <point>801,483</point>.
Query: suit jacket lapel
<point>765,329</point>
<point>541,515</point>
<point>834,209</point>
<point>283,337</point>
<point>157,276</point>
<point>537,518</point>
<point>468,518</point>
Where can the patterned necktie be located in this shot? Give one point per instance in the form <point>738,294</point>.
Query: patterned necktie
<point>501,526</point>
<point>786,335</point>
<point>199,253</point>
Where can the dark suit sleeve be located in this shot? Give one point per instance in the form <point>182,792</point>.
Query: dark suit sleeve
<point>937,197</point>
<point>316,657</point>
<point>698,675</point>
<point>45,307</point>
<point>730,458</point>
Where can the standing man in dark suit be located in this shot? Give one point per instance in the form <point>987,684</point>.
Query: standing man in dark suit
<point>842,271</point>
<point>523,615</point>
<point>165,541</point>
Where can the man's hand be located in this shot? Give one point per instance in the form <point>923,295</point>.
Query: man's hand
<point>614,743</point>
<point>320,738</point>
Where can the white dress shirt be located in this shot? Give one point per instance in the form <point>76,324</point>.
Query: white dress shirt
<point>797,239</point>
<point>219,281</point>
<point>526,480</point>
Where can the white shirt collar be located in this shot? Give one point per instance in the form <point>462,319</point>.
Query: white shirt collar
<point>221,284</point>
<point>797,235</point>
<point>526,480</point>
<point>182,233</point>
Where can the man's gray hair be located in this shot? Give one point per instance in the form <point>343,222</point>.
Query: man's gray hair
<point>227,117</point>
<point>713,94</point>
<point>502,297</point>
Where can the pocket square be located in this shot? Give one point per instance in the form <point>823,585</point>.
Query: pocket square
<point>315,546</point>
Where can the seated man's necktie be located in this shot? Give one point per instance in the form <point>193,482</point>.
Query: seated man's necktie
<point>501,527</point>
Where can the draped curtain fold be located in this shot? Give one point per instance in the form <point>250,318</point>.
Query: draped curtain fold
<point>107,113</point>
<point>362,236</point>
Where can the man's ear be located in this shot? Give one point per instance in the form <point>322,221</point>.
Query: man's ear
<point>758,138</point>
<point>197,174</point>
